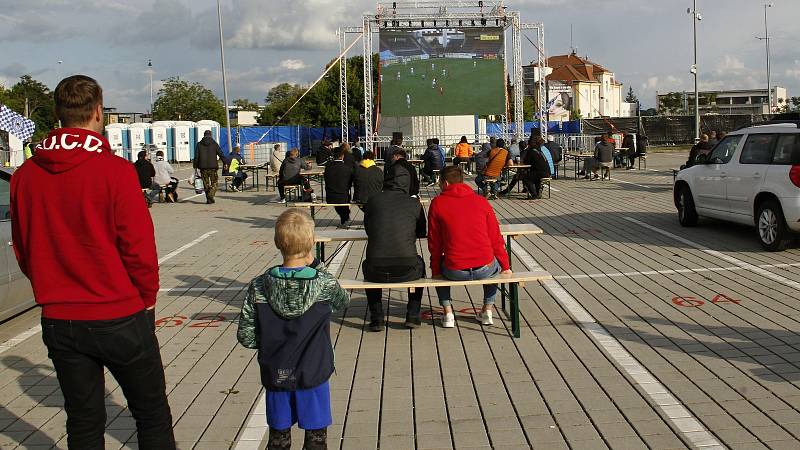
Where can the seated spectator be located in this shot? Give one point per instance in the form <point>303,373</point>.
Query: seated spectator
<point>536,157</point>
<point>163,177</point>
<point>338,181</point>
<point>276,158</point>
<point>441,151</point>
<point>712,138</point>
<point>464,247</point>
<point>146,172</point>
<point>358,152</point>
<point>289,173</point>
<point>388,155</point>
<point>497,160</point>
<point>402,173</point>
<point>482,157</point>
<point>393,221</point>
<point>463,153</point>
<point>556,151</point>
<point>603,154</point>
<point>368,179</point>
<point>235,169</point>
<point>628,147</point>
<point>349,158</point>
<point>432,161</point>
<point>641,150</point>
<point>701,148</point>
<point>324,153</point>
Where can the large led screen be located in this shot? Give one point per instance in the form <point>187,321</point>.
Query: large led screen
<point>442,72</point>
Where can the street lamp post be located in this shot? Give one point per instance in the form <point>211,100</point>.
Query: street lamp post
<point>150,70</point>
<point>766,39</point>
<point>696,17</point>
<point>224,81</point>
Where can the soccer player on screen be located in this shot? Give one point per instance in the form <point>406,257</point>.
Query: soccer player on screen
<point>408,101</point>
<point>433,84</point>
<point>441,90</point>
<point>398,76</point>
<point>412,71</point>
<point>433,66</point>
<point>444,73</point>
<point>475,63</point>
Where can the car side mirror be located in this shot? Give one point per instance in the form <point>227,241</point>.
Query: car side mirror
<point>702,159</point>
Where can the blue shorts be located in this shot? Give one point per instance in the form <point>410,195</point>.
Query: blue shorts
<point>309,408</point>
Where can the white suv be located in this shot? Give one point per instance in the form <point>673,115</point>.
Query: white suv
<point>751,177</point>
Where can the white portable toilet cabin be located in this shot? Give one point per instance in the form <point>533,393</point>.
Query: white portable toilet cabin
<point>204,125</point>
<point>138,136</point>
<point>185,138</point>
<point>161,132</point>
<point>117,135</point>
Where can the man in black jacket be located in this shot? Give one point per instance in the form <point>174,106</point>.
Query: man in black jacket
<point>540,168</point>
<point>402,173</point>
<point>388,156</point>
<point>338,180</point>
<point>432,161</point>
<point>205,159</point>
<point>701,148</point>
<point>325,153</point>
<point>393,221</point>
<point>368,179</point>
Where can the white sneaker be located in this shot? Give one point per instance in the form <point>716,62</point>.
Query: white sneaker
<point>485,318</point>
<point>281,201</point>
<point>448,320</point>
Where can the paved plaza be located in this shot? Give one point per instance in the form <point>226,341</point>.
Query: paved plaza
<point>649,336</point>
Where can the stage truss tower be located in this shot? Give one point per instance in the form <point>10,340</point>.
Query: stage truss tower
<point>412,14</point>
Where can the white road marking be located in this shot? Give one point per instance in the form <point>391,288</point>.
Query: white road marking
<point>189,198</point>
<point>28,333</point>
<point>628,182</point>
<point>254,433</point>
<point>681,418</point>
<point>175,253</point>
<point>9,344</point>
<point>738,262</point>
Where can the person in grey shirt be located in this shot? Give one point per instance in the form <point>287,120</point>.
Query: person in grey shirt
<point>289,172</point>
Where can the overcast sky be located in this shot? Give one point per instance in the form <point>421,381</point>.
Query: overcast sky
<point>647,43</point>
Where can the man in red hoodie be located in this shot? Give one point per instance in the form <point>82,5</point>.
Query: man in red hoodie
<point>471,250</point>
<point>84,237</point>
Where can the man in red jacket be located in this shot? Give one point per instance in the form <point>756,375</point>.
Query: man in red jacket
<point>84,237</point>
<point>471,250</point>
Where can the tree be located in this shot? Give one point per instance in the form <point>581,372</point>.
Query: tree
<point>631,97</point>
<point>41,107</point>
<point>181,100</point>
<point>244,104</point>
<point>671,103</point>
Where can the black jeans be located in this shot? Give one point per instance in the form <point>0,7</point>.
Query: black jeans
<point>393,274</point>
<point>129,348</point>
<point>344,213</point>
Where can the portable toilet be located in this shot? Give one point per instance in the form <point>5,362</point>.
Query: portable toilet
<point>138,137</point>
<point>117,135</point>
<point>185,139</point>
<point>162,138</point>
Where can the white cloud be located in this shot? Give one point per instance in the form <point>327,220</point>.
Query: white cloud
<point>293,64</point>
<point>729,63</point>
<point>794,71</point>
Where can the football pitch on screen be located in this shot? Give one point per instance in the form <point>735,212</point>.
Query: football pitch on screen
<point>463,87</point>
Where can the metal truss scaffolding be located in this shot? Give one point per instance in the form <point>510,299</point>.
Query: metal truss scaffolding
<point>417,14</point>
<point>541,93</point>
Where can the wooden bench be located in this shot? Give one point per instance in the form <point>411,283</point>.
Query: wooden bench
<point>293,193</point>
<point>514,281</point>
<point>274,178</point>
<point>313,206</point>
<point>546,181</point>
<point>643,158</point>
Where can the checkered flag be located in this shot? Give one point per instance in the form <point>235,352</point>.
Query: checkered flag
<point>16,124</point>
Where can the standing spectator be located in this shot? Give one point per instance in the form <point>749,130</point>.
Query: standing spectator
<point>463,153</point>
<point>339,180</point>
<point>471,249</point>
<point>393,222</point>
<point>403,173</point>
<point>163,177</point>
<point>289,173</point>
<point>90,253</point>
<point>497,159</point>
<point>276,158</point>
<point>286,316</point>
<point>235,169</point>
<point>205,159</point>
<point>368,179</point>
<point>325,153</point>
<point>145,171</point>
<point>432,161</point>
<point>388,157</point>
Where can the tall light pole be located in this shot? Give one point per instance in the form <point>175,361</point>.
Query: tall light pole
<point>224,80</point>
<point>150,71</point>
<point>58,72</point>
<point>696,17</point>
<point>766,41</point>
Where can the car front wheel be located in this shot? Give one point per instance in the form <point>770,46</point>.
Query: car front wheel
<point>772,231</point>
<point>687,214</point>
